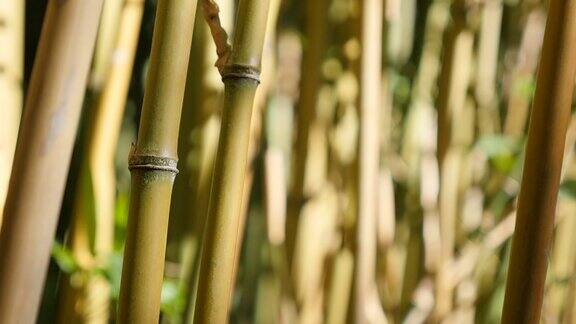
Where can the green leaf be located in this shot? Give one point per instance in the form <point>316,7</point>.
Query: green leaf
<point>64,258</point>
<point>568,189</point>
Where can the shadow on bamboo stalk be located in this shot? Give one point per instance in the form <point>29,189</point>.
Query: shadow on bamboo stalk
<point>43,154</point>
<point>542,167</point>
<point>153,163</point>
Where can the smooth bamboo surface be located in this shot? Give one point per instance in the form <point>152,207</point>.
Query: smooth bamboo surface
<point>219,248</point>
<point>542,167</point>
<point>153,162</point>
<point>52,112</point>
<point>11,70</point>
<point>367,305</point>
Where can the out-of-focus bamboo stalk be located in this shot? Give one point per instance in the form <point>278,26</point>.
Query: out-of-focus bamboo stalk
<point>454,76</point>
<point>542,167</point>
<point>489,43</point>
<point>52,112</point>
<point>11,78</point>
<point>198,143</point>
<point>240,73</point>
<point>519,98</point>
<point>153,163</point>
<point>340,287</point>
<point>315,29</point>
<point>96,203</point>
<point>105,43</point>
<point>367,304</point>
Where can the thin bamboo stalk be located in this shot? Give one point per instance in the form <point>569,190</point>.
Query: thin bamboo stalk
<point>315,29</point>
<point>43,154</point>
<point>367,308</point>
<point>96,204</point>
<point>542,167</point>
<point>240,71</point>
<point>153,163</point>
<point>11,70</point>
<point>105,43</point>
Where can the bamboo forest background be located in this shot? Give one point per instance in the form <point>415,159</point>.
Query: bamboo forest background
<point>437,92</point>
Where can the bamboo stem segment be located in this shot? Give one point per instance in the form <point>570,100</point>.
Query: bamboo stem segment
<point>53,106</point>
<point>240,74</point>
<point>153,163</point>
<point>11,69</point>
<point>542,167</point>
<point>367,302</point>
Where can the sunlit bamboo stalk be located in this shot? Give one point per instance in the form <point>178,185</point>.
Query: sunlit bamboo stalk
<point>240,73</point>
<point>105,43</point>
<point>367,304</point>
<point>52,112</point>
<point>11,78</point>
<point>542,166</point>
<point>153,163</point>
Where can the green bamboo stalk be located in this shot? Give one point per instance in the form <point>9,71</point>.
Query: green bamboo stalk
<point>97,185</point>
<point>153,163</point>
<point>11,70</point>
<point>542,167</point>
<point>43,154</point>
<point>240,70</point>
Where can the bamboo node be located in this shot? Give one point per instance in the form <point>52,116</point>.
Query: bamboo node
<point>239,71</point>
<point>150,162</point>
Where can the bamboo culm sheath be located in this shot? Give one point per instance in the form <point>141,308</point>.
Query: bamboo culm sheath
<point>240,75</point>
<point>542,167</point>
<point>153,163</point>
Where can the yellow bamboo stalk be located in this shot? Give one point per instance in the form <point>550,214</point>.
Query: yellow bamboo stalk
<point>367,308</point>
<point>105,43</point>
<point>11,70</point>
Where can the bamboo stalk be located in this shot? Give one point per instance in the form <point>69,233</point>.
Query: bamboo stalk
<point>96,204</point>
<point>542,167</point>
<point>454,76</point>
<point>153,163</point>
<point>11,70</point>
<point>489,44</point>
<point>240,71</point>
<point>367,308</point>
<point>105,43</point>
<point>43,154</point>
<point>315,30</point>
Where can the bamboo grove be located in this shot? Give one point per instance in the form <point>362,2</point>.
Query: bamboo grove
<point>287,161</point>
